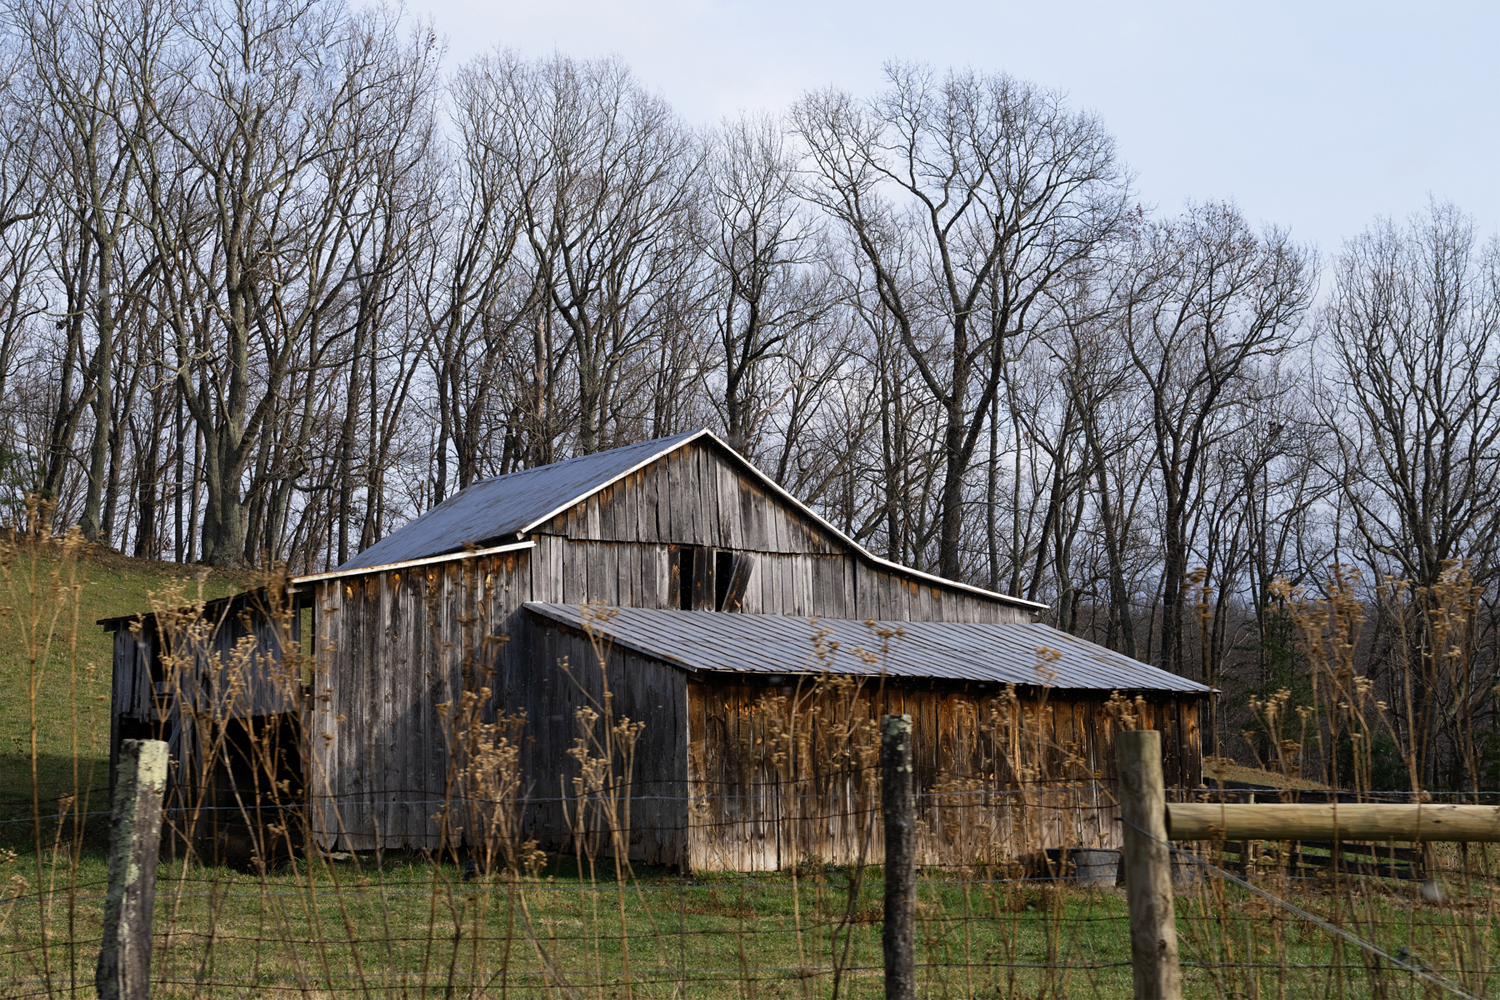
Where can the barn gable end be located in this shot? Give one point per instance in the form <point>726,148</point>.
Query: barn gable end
<point>688,492</point>
<point>704,497</point>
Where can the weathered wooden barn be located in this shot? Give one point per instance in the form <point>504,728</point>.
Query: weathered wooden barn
<point>624,564</point>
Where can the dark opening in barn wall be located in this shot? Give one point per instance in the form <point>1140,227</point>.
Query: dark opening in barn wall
<point>708,579</point>
<point>723,573</point>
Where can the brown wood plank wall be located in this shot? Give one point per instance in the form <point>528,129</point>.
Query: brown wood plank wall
<point>754,814</point>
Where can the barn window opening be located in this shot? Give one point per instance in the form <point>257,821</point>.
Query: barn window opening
<point>731,580</point>
<point>685,577</point>
<point>723,573</point>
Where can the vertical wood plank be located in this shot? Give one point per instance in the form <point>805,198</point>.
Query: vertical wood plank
<point>609,500</point>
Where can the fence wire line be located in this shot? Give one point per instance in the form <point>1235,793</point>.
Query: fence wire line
<point>1334,929</point>
<point>375,800</point>
<point>1079,951</point>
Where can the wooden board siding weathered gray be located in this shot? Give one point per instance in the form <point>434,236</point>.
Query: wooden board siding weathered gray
<point>177,680</point>
<point>568,674</point>
<point>392,646</point>
<point>697,496</point>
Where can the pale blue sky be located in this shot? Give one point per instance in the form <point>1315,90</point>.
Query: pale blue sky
<point>1316,116</point>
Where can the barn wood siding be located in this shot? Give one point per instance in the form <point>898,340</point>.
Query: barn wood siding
<point>563,677</point>
<point>393,649</point>
<point>696,496</point>
<point>174,680</point>
<point>393,646</point>
<point>693,497</point>
<point>753,813</point>
<point>396,646</point>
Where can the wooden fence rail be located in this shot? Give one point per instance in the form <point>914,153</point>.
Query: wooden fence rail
<point>1150,822</point>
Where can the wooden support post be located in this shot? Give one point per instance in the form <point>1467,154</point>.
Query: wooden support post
<point>898,799</point>
<point>1148,867</point>
<point>134,835</point>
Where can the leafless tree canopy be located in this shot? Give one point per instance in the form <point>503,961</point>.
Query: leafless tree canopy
<point>273,282</point>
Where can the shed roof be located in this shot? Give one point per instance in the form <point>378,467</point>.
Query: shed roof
<point>776,644</point>
<point>512,505</point>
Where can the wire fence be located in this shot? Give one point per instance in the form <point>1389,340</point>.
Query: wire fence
<point>1254,920</point>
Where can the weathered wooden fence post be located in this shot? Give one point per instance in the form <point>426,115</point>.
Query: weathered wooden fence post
<point>898,799</point>
<point>134,835</point>
<point>1148,867</point>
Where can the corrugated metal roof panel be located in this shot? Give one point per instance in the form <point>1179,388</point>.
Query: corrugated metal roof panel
<point>494,508</point>
<point>1002,654</point>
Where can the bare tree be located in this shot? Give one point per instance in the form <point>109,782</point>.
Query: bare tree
<point>258,204</point>
<point>967,197</point>
<point>23,230</point>
<point>81,56</point>
<point>770,268</point>
<point>607,223</point>
<point>1213,297</point>
<point>1413,329</point>
<point>481,292</point>
<point>1103,386</point>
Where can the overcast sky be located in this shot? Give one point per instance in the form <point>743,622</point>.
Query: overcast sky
<point>1317,116</point>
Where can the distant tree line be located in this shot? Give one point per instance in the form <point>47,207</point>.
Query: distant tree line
<point>273,282</point>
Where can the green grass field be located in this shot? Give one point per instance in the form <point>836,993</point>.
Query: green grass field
<point>410,928</point>
<point>419,928</point>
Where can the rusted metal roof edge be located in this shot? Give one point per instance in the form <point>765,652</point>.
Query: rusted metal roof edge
<point>777,488</point>
<point>297,581</point>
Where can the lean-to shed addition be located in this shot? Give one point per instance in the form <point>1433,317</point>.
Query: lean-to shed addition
<point>469,600</point>
<point>751,765</point>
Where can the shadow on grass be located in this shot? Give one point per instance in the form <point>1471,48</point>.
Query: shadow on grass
<point>56,805</point>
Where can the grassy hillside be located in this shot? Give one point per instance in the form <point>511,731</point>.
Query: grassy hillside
<point>55,658</point>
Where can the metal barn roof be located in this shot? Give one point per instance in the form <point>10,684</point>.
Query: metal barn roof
<point>506,505</point>
<point>776,644</point>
